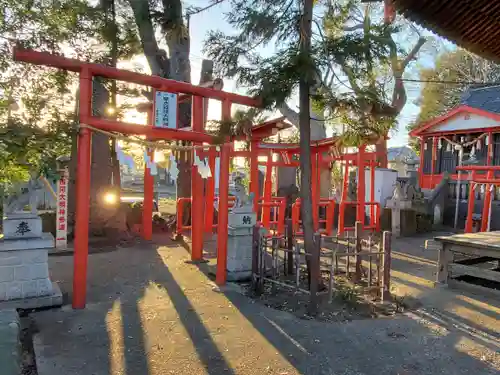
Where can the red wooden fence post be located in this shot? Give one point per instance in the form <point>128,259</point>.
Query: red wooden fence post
<point>470,206</point>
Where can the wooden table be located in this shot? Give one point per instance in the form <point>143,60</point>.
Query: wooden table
<point>476,248</point>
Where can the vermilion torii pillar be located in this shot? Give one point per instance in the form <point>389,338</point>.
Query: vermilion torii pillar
<point>474,179</point>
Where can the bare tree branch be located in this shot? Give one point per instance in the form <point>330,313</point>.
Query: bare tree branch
<point>293,116</point>
<point>399,96</point>
<point>358,26</point>
<point>156,57</point>
<point>413,53</point>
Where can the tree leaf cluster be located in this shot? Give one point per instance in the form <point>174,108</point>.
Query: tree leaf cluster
<point>350,48</point>
<point>37,104</point>
<point>445,84</point>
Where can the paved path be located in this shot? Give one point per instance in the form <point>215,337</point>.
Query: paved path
<point>413,274</point>
<point>150,313</point>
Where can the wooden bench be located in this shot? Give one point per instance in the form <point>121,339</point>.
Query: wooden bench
<point>469,254</point>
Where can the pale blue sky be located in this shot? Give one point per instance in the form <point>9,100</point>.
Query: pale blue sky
<point>213,18</point>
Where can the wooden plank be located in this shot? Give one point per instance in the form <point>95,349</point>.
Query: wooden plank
<point>486,240</point>
<point>482,273</point>
<point>473,250</point>
<point>472,261</point>
<point>358,232</point>
<point>385,285</point>
<point>363,253</point>
<point>444,259</point>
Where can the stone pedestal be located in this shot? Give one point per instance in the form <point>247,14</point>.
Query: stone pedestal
<point>396,205</point>
<point>239,245</point>
<point>24,270</point>
<point>408,222</point>
<point>22,225</point>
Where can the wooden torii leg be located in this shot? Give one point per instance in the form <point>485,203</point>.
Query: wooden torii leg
<point>487,202</point>
<point>470,206</point>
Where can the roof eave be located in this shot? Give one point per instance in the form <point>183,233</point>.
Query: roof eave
<point>460,109</point>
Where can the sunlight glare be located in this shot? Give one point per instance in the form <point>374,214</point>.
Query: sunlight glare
<point>114,326</point>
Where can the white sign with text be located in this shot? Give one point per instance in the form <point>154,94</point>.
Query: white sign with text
<point>165,110</point>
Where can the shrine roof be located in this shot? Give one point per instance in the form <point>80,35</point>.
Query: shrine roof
<point>269,128</point>
<point>456,120</point>
<point>401,153</point>
<point>485,98</point>
<point>472,24</point>
<point>295,148</point>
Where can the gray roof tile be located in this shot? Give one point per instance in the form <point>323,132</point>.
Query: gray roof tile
<point>485,98</point>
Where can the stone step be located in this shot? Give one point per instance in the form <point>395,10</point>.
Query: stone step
<point>46,241</point>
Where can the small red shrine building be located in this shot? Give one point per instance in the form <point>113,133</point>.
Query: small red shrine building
<point>474,125</point>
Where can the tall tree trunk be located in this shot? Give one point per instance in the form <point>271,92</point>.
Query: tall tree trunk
<point>104,219</point>
<point>114,60</point>
<point>305,131</point>
<point>180,70</point>
<point>176,66</point>
<point>381,149</point>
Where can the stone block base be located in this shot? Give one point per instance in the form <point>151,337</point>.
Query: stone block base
<point>46,241</point>
<point>21,226</point>
<point>55,299</point>
<point>24,273</point>
<point>239,250</point>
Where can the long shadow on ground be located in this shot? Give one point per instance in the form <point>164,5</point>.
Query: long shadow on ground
<point>417,343</point>
<point>145,317</point>
<point>126,327</point>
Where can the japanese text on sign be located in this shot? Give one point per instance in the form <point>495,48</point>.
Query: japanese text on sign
<point>62,211</point>
<point>165,110</point>
<point>247,220</point>
<point>23,228</point>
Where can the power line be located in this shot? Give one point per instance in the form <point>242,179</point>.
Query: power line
<point>451,82</point>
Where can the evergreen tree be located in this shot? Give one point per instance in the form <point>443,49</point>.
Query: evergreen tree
<point>338,65</point>
<point>444,84</point>
<point>36,112</point>
<point>287,24</point>
<point>374,85</point>
<point>165,22</point>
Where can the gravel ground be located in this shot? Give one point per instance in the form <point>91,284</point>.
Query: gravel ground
<point>151,313</point>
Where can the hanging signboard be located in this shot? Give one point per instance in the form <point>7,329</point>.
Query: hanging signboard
<point>165,110</point>
<point>62,211</point>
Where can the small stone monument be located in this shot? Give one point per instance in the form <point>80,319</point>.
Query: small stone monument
<point>24,271</point>
<point>397,203</point>
<point>241,220</point>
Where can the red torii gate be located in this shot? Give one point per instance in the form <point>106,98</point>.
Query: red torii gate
<point>474,179</point>
<point>361,159</point>
<point>197,135</point>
